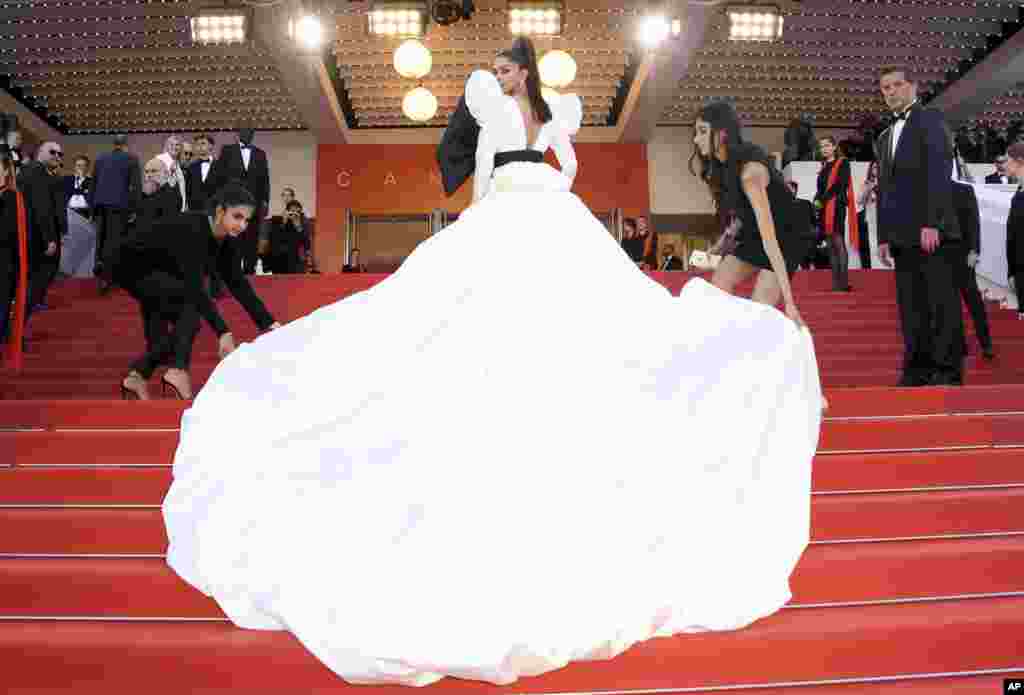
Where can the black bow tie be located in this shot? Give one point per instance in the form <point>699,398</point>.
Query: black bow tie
<point>900,116</point>
<point>244,147</point>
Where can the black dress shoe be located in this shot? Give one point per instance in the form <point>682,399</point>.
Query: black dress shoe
<point>909,380</point>
<point>947,379</point>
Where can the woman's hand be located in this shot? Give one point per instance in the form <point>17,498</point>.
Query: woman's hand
<point>226,345</point>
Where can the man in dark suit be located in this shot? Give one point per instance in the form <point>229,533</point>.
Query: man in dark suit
<point>44,193</point>
<point>965,203</point>
<point>197,176</point>
<point>918,229</point>
<point>77,186</point>
<point>115,196</point>
<point>246,164</point>
<point>1000,175</point>
<point>669,260</point>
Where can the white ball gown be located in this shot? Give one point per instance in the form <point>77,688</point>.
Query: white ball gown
<point>491,463</point>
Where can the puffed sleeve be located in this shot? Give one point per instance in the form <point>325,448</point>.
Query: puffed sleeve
<point>484,97</point>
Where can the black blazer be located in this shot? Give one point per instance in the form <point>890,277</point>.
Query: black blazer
<point>1015,237</point>
<point>965,202</point>
<point>456,155</point>
<point>84,190</point>
<point>118,181</point>
<point>915,188</point>
<point>199,191</point>
<point>44,202</point>
<point>671,263</point>
<point>164,203</point>
<point>230,167</point>
<point>183,246</point>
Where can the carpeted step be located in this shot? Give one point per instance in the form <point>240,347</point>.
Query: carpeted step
<point>156,447</point>
<point>792,646</point>
<point>827,574</point>
<point>115,530</point>
<point>109,485</point>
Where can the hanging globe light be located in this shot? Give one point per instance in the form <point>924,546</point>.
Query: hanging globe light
<point>412,59</point>
<point>419,104</point>
<point>557,69</point>
<point>550,95</point>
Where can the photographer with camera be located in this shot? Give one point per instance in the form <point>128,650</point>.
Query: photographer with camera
<point>289,242</point>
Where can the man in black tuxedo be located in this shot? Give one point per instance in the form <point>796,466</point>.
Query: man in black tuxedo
<point>115,197</point>
<point>78,186</point>
<point>918,229</point>
<point>48,219</point>
<point>197,175</point>
<point>247,164</point>
<point>965,203</point>
<point>670,261</point>
<point>1000,175</point>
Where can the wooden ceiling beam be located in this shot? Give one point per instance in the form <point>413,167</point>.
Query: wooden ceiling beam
<point>997,74</point>
<point>308,80</point>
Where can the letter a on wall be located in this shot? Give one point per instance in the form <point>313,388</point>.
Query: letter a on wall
<point>390,180</point>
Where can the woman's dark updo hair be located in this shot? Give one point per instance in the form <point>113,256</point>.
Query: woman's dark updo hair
<point>723,178</point>
<point>523,55</point>
<point>233,195</point>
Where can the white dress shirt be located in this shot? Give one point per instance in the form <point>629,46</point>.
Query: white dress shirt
<point>204,168</point>
<point>77,201</point>
<point>246,155</point>
<point>897,128</point>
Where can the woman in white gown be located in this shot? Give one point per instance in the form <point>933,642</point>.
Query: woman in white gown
<point>440,475</point>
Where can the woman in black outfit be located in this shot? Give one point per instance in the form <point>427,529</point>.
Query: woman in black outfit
<point>834,187</point>
<point>163,268</point>
<point>1015,227</point>
<point>8,239</point>
<point>772,236</point>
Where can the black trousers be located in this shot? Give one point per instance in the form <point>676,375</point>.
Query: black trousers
<point>967,283</point>
<point>838,257</point>
<point>111,229</point>
<point>169,322</point>
<point>864,241</point>
<point>8,283</point>
<point>930,314</point>
<point>284,264</point>
<point>1018,282</point>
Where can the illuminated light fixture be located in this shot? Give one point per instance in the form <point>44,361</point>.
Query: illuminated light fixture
<point>419,104</point>
<point>221,25</point>
<point>308,30</point>
<point>397,19</point>
<point>550,95</point>
<point>754,22</point>
<point>535,17</point>
<point>655,28</point>
<point>557,69</point>
<point>412,59</point>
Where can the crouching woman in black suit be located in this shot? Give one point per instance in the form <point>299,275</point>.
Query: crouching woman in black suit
<point>163,267</point>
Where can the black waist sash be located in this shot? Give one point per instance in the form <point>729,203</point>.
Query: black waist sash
<point>503,158</point>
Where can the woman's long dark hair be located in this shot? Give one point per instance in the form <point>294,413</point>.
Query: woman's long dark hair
<point>723,178</point>
<point>233,194</point>
<point>523,55</point>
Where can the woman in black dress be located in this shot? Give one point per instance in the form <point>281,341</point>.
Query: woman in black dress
<point>163,268</point>
<point>1015,227</point>
<point>9,247</point>
<point>833,200</point>
<point>772,238</point>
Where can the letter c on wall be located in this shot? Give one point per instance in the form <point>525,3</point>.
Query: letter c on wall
<point>344,179</point>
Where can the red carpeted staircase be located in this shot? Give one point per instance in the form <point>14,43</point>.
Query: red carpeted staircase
<point>914,581</point>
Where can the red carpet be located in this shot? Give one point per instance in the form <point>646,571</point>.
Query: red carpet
<point>914,581</point>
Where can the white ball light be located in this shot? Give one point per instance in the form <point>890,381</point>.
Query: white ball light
<point>557,69</point>
<point>413,59</point>
<point>419,104</point>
